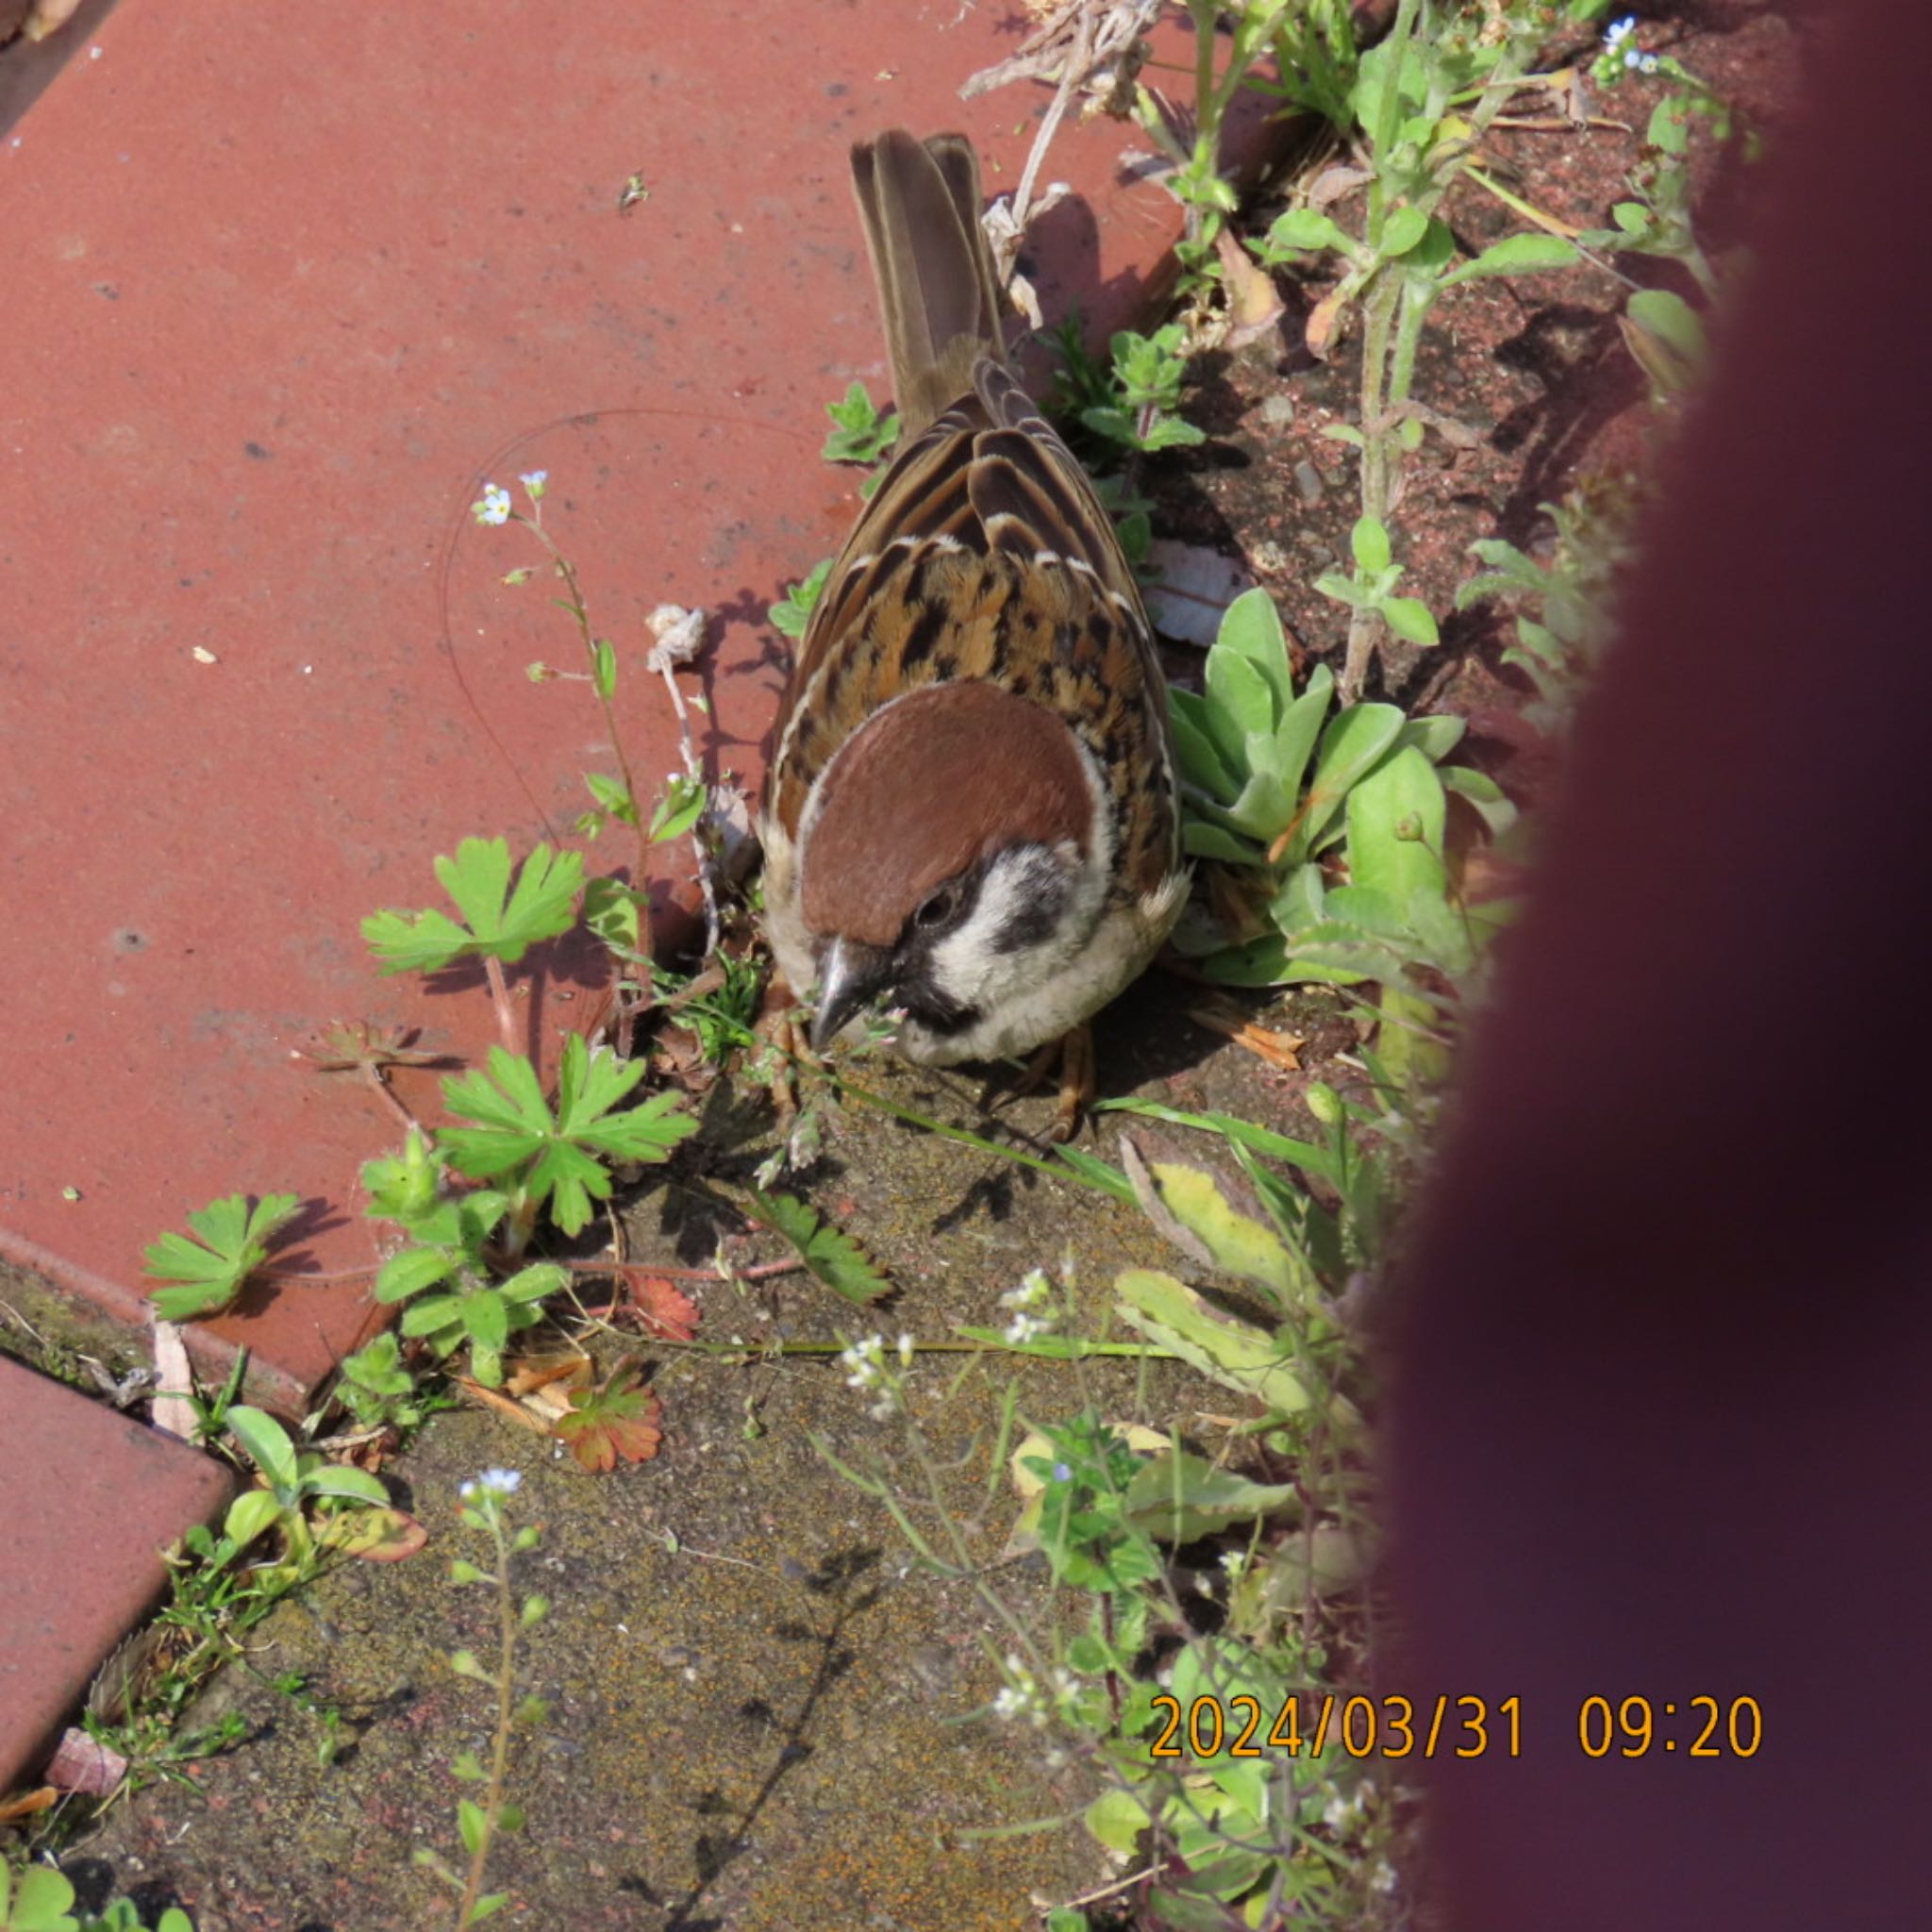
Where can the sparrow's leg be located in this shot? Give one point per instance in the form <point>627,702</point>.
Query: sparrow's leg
<point>781,1044</point>
<point>1077,1082</point>
<point>1072,1052</point>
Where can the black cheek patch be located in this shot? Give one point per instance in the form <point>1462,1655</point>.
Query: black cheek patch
<point>1033,922</point>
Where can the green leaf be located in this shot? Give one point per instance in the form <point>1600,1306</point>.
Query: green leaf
<point>612,795</point>
<point>234,1242</point>
<point>610,911</point>
<point>1251,627</point>
<point>1515,255</point>
<point>40,1898</point>
<point>1355,740</point>
<point>1241,705</point>
<point>1232,1242</point>
<point>1259,963</point>
<point>250,1515</point>
<point>267,1444</point>
<point>1492,804</point>
<point>1202,764</point>
<point>835,1258</point>
<point>514,1125</point>
<point>603,669</point>
<point>1410,619</point>
<point>1396,819</point>
<point>488,1906</point>
<point>680,810</point>
<point>1232,1352</point>
<point>1402,229</point>
<point>499,922</point>
<point>1672,321</point>
<point>862,434</point>
<point>1369,542</point>
<point>350,1485</point>
<point>1303,230</point>
<point>403,1186</point>
<point>792,613</point>
<point>413,1270</point>
<point>1435,736</point>
<point>1200,840</point>
<point>440,1311</point>
<point>1180,1497</point>
<point>1117,1819</point>
<point>486,1320</point>
<point>1302,1153</point>
<point>473,1824</point>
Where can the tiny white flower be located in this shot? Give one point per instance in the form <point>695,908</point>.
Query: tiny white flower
<point>1336,1813</point>
<point>1009,1703</point>
<point>493,507</point>
<point>1384,1880</point>
<point>1235,1562</point>
<point>1648,63</point>
<point>1023,1328</point>
<point>905,1351</point>
<point>504,1482</point>
<point>1031,1292</point>
<point>534,480</point>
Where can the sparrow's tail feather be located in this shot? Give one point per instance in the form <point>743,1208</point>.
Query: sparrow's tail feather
<point>919,203</point>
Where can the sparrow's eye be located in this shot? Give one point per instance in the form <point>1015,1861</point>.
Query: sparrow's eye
<point>936,908</point>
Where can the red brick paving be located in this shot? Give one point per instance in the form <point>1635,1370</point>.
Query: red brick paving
<point>284,287</point>
<point>89,1497</point>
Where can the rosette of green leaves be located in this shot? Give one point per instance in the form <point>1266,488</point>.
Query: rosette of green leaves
<point>1275,780</point>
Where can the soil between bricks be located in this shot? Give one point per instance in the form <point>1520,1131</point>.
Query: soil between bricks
<point>775,1726</point>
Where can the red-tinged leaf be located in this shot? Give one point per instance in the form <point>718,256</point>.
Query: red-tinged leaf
<point>377,1536</point>
<point>661,1309</point>
<point>620,1418</point>
<point>83,1764</point>
<point>26,1803</point>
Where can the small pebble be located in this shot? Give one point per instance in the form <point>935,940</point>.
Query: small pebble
<point>1277,412</point>
<point>1308,482</point>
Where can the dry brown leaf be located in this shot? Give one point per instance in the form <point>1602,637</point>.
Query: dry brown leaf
<point>26,1803</point>
<point>1280,1050</point>
<point>172,1413</point>
<point>1195,586</point>
<point>503,1405</point>
<point>1253,304</point>
<point>1323,320</point>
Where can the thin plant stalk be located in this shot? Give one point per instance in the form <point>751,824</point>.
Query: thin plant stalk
<point>499,1756</point>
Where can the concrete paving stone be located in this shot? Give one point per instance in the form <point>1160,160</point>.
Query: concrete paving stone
<point>285,287</point>
<point>89,1500</point>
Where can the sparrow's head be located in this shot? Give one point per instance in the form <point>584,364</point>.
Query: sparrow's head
<point>955,856</point>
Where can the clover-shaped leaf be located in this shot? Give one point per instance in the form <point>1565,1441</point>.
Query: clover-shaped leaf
<point>620,1417</point>
<point>234,1242</point>
<point>564,1151</point>
<point>499,922</point>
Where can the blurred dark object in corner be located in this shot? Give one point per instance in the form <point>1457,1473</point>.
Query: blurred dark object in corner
<point>1661,1427</point>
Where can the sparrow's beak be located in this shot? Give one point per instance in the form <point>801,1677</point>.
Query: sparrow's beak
<point>849,975</point>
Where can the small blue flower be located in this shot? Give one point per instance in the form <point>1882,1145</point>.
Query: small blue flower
<point>1618,32</point>
<point>1063,1471</point>
<point>493,507</point>
<point>497,1482</point>
<point>534,480</point>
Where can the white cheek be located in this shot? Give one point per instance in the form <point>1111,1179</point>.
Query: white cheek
<point>971,968</point>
